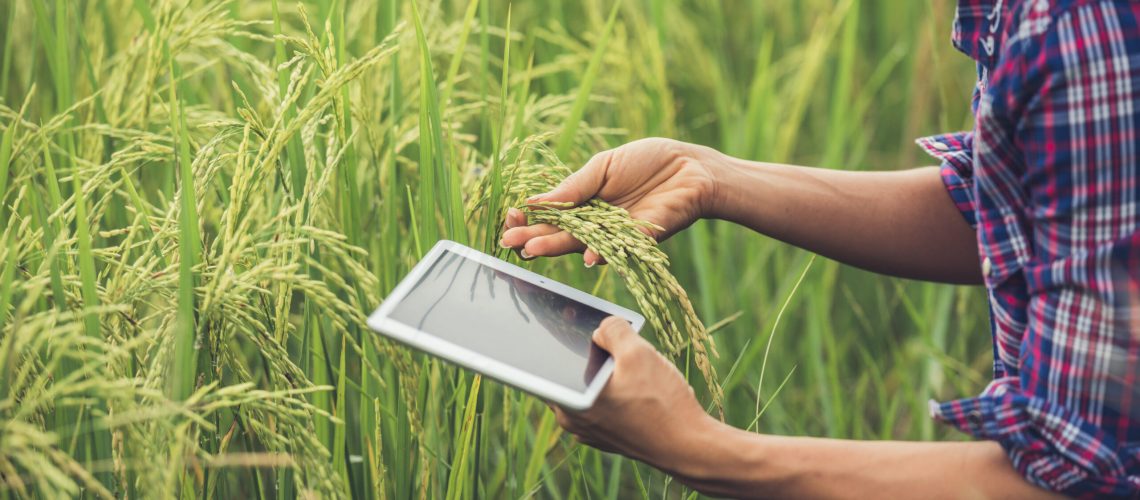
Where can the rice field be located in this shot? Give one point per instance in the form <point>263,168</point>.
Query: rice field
<point>200,203</point>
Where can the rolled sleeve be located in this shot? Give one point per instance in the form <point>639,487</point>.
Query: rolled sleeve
<point>1057,199</point>
<point>1048,444</point>
<point>955,150</point>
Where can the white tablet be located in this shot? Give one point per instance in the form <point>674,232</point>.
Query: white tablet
<point>503,321</point>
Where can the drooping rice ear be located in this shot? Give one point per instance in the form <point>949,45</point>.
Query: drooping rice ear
<point>532,168</point>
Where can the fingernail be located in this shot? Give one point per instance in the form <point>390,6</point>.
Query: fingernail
<point>524,254</point>
<point>536,197</point>
<point>589,264</point>
<point>503,244</point>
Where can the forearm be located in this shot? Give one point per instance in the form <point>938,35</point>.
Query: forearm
<point>897,223</point>
<point>739,464</point>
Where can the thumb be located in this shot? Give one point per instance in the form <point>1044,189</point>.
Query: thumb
<point>616,336</point>
<point>581,185</point>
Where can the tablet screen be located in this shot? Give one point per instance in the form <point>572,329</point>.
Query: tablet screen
<point>505,318</point>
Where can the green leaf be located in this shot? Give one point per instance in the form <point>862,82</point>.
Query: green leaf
<point>570,130</point>
<point>184,375</point>
<point>457,58</point>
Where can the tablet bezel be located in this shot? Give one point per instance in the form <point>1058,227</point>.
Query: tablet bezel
<point>381,322</point>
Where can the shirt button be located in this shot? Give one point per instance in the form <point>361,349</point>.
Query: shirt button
<point>975,418</point>
<point>987,267</point>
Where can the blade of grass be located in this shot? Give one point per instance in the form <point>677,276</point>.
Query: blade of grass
<point>340,453</point>
<point>544,439</point>
<point>7,275</point>
<point>458,482</point>
<point>6,69</point>
<point>772,335</point>
<point>457,58</point>
<point>294,157</point>
<point>143,8</point>
<point>185,351</point>
<point>430,139</point>
<point>86,260</point>
<point>586,86</point>
<point>841,92</point>
<point>6,164</point>
<point>495,199</point>
<point>51,228</point>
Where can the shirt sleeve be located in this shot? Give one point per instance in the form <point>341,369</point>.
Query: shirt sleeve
<point>1069,418</point>
<point>956,151</point>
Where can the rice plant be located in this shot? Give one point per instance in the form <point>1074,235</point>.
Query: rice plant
<point>201,201</point>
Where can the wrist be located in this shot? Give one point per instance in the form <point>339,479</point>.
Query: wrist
<point>716,458</point>
<point>717,168</point>
<point>733,181</point>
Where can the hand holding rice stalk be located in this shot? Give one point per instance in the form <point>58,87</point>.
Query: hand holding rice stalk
<point>624,242</point>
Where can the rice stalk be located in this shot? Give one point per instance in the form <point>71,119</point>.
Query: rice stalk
<point>293,136</point>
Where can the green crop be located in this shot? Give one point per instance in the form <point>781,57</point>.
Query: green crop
<point>201,202</point>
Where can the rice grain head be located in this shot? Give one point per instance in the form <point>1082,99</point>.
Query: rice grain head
<point>530,168</point>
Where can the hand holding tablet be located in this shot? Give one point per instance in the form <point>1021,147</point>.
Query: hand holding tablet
<point>503,321</point>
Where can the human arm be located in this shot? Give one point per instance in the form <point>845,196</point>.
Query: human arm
<point>899,223</point>
<point>649,413</point>
<point>808,467</point>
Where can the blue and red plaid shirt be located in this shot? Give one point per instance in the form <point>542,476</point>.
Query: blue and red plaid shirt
<point>1050,178</point>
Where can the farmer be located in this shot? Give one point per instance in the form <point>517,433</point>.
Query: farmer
<point>1040,203</point>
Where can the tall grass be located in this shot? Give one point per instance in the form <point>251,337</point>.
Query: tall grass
<point>201,201</point>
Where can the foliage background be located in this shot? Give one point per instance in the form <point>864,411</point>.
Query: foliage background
<point>186,268</point>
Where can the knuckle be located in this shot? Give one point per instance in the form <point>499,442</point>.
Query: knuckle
<point>646,354</point>
<point>601,158</point>
<point>563,420</point>
<point>599,164</point>
<point>611,322</point>
<point>677,155</point>
<point>536,246</point>
<point>514,236</point>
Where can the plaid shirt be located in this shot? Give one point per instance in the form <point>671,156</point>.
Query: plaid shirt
<point>1050,178</point>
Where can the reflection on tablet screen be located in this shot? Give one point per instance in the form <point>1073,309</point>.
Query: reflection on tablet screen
<point>507,319</point>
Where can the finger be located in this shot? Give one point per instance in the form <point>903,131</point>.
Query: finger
<point>591,258</point>
<point>515,218</point>
<point>518,236</point>
<point>562,418</point>
<point>617,337</point>
<point>560,243</point>
<point>581,185</point>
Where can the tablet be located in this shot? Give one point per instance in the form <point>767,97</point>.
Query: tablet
<point>503,321</point>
